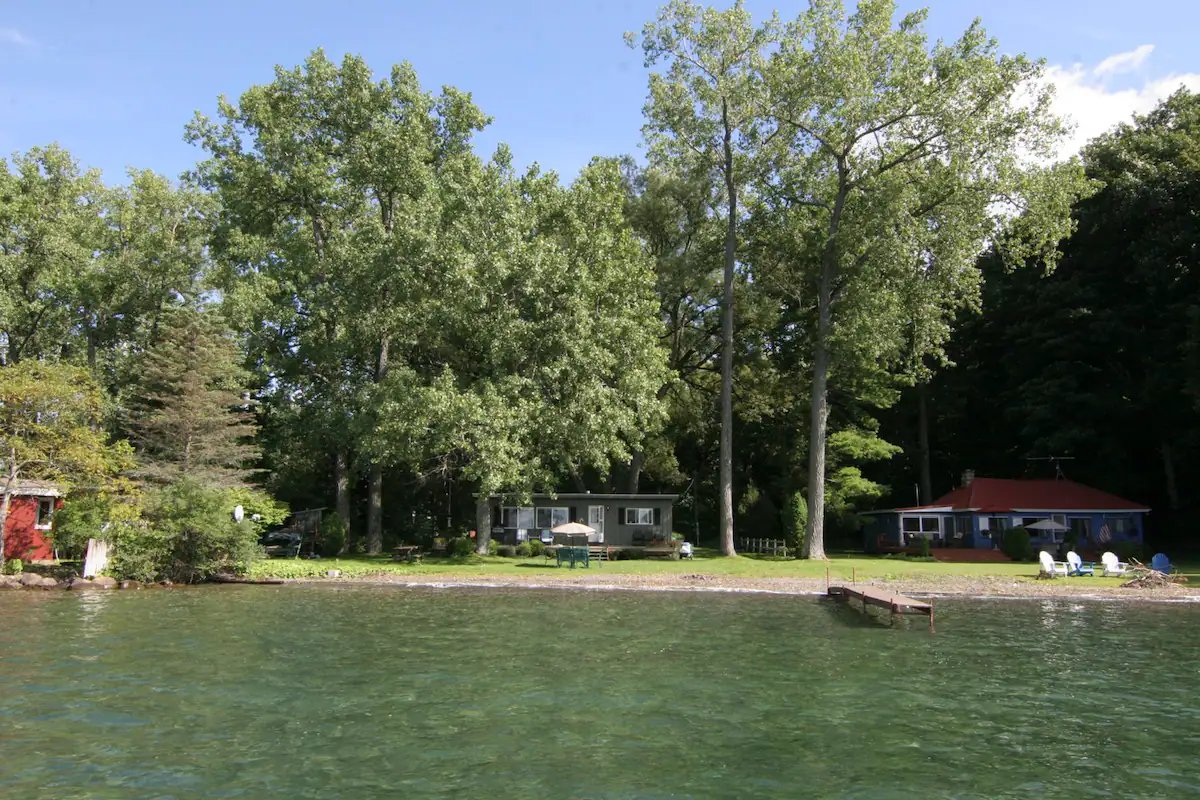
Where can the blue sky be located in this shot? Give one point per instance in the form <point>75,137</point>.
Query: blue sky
<point>116,81</point>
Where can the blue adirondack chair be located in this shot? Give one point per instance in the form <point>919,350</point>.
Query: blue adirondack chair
<point>1161,563</point>
<point>1077,566</point>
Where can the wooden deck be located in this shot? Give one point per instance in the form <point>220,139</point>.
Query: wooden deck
<point>882,598</point>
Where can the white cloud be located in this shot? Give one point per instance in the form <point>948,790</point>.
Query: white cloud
<point>14,36</point>
<point>1085,96</point>
<point>1124,62</point>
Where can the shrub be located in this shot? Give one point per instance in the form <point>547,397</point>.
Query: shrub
<point>634,555</point>
<point>13,566</point>
<point>506,551</point>
<point>923,546</point>
<point>1127,550</point>
<point>186,534</point>
<point>796,521</point>
<point>1016,545</point>
<point>333,536</point>
<point>525,550</point>
<point>460,546</point>
<point>536,548</point>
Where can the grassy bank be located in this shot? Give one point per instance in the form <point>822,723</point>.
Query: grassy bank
<point>841,568</point>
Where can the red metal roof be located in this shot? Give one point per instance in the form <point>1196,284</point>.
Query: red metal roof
<point>1004,494</point>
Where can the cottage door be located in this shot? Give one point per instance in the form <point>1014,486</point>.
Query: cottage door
<point>596,520</point>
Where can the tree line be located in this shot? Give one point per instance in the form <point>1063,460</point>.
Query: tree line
<point>346,305</point>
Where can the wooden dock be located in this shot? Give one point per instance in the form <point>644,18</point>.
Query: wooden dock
<point>870,596</point>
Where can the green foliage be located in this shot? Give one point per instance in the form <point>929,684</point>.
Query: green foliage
<point>1015,544</point>
<point>1126,550</point>
<point>536,548</point>
<point>186,534</point>
<point>525,550</point>
<point>12,566</point>
<point>460,547</point>
<point>797,518</point>
<point>506,551</point>
<point>191,417</point>
<point>923,546</point>
<point>333,536</point>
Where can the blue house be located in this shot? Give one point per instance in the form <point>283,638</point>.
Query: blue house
<point>978,512</point>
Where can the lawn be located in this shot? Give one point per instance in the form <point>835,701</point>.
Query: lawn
<point>841,568</point>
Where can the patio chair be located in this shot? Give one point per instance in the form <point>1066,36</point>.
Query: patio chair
<point>1050,567</point>
<point>1077,566</point>
<point>1162,564</point>
<point>1113,566</point>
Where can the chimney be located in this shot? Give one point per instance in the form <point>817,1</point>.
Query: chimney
<point>968,476</point>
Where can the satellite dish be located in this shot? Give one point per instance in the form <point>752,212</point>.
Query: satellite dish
<point>239,513</point>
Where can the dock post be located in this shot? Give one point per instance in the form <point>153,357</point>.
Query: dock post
<point>931,630</point>
<point>826,576</point>
<point>853,579</point>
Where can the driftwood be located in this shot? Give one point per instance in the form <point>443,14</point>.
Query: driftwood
<point>1146,578</point>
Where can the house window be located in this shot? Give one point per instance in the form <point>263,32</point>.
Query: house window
<point>962,527</point>
<point>1082,528</point>
<point>639,516</point>
<point>45,514</point>
<point>552,516</point>
<point>516,517</point>
<point>930,526</point>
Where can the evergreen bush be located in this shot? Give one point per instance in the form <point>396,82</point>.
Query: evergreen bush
<point>1016,545</point>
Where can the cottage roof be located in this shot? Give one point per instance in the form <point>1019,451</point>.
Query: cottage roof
<point>1004,494</point>
<point>36,489</point>
<point>590,496</point>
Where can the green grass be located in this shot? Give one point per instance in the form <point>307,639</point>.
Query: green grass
<point>707,562</point>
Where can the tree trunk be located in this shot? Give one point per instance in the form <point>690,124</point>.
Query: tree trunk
<point>4,520</point>
<point>341,476</point>
<point>91,346</point>
<point>726,472</point>
<point>1168,457</point>
<point>375,480</point>
<point>483,525</point>
<point>635,471</point>
<point>814,538</point>
<point>923,442</point>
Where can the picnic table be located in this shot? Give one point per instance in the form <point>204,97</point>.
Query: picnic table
<point>406,552</point>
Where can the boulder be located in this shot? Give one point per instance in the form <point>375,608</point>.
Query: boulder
<point>10,582</point>
<point>50,583</point>
<point>80,583</point>
<point>130,585</point>
<point>105,582</point>
<point>30,579</point>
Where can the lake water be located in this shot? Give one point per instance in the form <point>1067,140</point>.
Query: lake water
<point>365,692</point>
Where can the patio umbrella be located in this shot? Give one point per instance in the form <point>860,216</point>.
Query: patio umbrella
<point>572,527</point>
<point>1047,525</point>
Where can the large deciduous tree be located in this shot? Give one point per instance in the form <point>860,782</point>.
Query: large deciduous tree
<point>50,430</point>
<point>705,115</point>
<point>896,163</point>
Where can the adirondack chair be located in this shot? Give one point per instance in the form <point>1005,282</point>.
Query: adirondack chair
<point>1161,563</point>
<point>1113,566</point>
<point>1077,566</point>
<point>1051,567</point>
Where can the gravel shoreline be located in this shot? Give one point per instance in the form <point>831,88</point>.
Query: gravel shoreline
<point>948,586</point>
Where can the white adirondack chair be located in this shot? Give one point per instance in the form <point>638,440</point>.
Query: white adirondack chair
<point>1112,566</point>
<point>1051,567</point>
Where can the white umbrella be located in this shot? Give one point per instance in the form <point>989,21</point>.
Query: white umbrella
<point>1046,525</point>
<point>572,527</point>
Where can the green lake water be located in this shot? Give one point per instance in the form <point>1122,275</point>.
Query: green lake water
<point>365,692</point>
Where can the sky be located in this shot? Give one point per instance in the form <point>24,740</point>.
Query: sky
<point>115,82</point>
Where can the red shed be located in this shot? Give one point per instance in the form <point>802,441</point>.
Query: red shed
<point>30,512</point>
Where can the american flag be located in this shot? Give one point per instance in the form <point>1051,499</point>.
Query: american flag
<point>1105,533</point>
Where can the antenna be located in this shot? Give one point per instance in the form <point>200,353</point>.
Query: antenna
<point>1056,461</point>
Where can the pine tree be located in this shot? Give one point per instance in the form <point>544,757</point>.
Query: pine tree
<point>192,417</point>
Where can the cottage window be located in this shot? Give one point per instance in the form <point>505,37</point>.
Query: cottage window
<point>516,517</point>
<point>552,516</point>
<point>926,525</point>
<point>45,513</point>
<point>639,516</point>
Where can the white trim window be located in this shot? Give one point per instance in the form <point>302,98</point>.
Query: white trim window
<point>45,514</point>
<point>516,517</point>
<point>639,516</point>
<point>552,516</point>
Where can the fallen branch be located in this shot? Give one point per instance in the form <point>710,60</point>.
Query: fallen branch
<point>1146,578</point>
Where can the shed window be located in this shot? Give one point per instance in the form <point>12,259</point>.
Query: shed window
<point>45,513</point>
<point>552,516</point>
<point>639,516</point>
